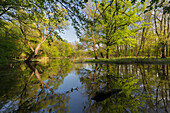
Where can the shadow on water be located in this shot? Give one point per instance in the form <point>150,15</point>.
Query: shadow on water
<point>60,86</point>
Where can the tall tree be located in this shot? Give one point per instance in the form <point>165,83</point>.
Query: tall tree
<point>89,36</point>
<point>145,31</point>
<point>119,22</point>
<point>161,23</point>
<point>162,31</point>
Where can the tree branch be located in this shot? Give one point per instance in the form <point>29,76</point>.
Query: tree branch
<point>104,10</point>
<point>5,10</point>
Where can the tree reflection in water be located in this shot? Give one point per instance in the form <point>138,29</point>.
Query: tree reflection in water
<point>35,87</point>
<point>145,88</point>
<point>37,90</point>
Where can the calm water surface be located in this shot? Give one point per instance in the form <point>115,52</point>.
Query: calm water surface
<point>64,87</point>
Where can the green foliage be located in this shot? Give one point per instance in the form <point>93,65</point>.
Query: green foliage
<point>120,23</point>
<point>40,20</point>
<point>13,45</point>
<point>130,60</point>
<point>109,27</point>
<point>112,23</point>
<point>64,48</point>
<point>158,4</point>
<point>10,42</point>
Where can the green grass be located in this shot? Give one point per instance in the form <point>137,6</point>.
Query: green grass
<point>128,60</point>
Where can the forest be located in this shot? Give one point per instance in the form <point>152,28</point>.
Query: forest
<point>120,62</point>
<point>29,29</point>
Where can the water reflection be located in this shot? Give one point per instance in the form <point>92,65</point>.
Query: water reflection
<point>145,88</point>
<point>61,86</point>
<point>35,85</point>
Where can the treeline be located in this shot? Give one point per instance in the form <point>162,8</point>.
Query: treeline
<point>31,28</point>
<point>128,28</point>
<point>116,28</point>
<point>13,46</point>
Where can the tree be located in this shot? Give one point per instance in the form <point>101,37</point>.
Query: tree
<point>163,33</point>
<point>119,23</point>
<point>47,26</point>
<point>145,31</point>
<point>161,23</point>
<point>42,16</point>
<point>90,35</point>
<point>10,42</point>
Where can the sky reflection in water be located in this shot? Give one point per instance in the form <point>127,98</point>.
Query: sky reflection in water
<point>61,86</point>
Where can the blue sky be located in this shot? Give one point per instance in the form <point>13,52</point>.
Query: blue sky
<point>69,35</point>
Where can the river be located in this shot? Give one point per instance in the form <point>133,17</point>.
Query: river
<point>65,87</point>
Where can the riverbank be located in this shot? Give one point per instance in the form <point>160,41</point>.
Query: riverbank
<point>127,60</point>
<point>101,60</point>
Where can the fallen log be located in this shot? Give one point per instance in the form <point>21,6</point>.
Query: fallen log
<point>102,95</point>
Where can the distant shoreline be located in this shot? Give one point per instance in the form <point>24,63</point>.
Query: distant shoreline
<point>127,60</point>
<point>103,60</point>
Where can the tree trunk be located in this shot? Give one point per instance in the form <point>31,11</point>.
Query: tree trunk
<point>121,50</point>
<point>32,56</point>
<point>160,35</point>
<point>118,53</point>
<point>167,39</point>
<point>107,54</point>
<point>126,50</point>
<point>167,49</point>
<point>142,42</point>
<point>163,50</point>
<point>101,53</point>
<point>94,46</point>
